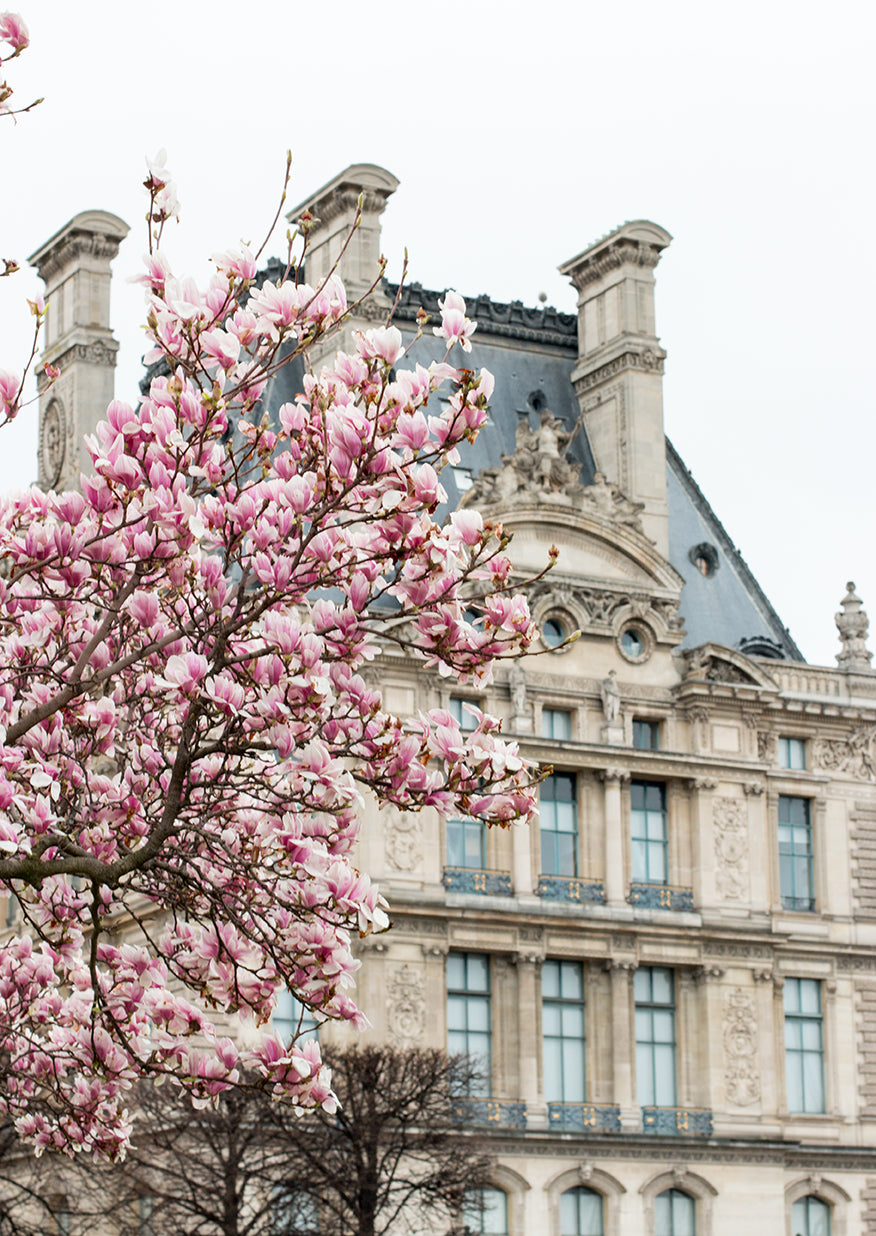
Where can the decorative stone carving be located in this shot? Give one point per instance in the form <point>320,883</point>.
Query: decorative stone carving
<point>53,445</point>
<point>521,711</point>
<point>539,470</point>
<point>702,666</point>
<point>730,820</point>
<point>766,747</point>
<point>852,756</point>
<point>610,694</point>
<point>406,1000</point>
<point>741,1075</point>
<point>853,625</point>
<point>403,833</point>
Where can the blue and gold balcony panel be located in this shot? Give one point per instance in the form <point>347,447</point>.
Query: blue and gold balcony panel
<point>677,1121</point>
<point>584,1118</point>
<point>473,880</point>
<point>490,1113</point>
<point>571,888</point>
<point>660,897</point>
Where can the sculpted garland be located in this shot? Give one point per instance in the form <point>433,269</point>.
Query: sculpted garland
<point>186,735</point>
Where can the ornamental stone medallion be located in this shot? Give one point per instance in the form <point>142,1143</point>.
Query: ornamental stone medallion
<point>406,1011</point>
<point>730,820</point>
<point>53,445</point>
<point>741,1076</point>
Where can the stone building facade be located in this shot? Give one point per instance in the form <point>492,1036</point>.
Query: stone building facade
<point>671,980</point>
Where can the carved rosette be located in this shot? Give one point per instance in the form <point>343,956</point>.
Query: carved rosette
<point>403,840</point>
<point>730,821</point>
<point>406,1005</point>
<point>741,1075</point>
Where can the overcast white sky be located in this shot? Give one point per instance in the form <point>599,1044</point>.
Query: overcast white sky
<point>521,132</point>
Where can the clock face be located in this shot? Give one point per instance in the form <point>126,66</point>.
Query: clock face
<point>52,444</point>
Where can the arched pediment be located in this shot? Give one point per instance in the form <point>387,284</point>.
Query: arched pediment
<point>717,664</point>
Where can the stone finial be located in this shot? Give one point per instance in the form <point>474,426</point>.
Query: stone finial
<point>853,624</point>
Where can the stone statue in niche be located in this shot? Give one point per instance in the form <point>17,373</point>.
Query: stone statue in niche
<point>520,710</point>
<point>610,692</point>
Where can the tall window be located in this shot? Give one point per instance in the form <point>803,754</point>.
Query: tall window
<point>795,853</point>
<point>562,1022</point>
<point>466,844</point>
<point>654,991</point>
<point>675,1214</point>
<point>648,832</point>
<point>804,1045</point>
<point>291,1015</point>
<point>556,723</point>
<point>558,813</point>
<point>485,1210</point>
<point>293,1213</point>
<point>463,719</point>
<point>581,1213</point>
<point>646,735</point>
<point>792,753</point>
<point>468,1012</point>
<point>810,1216</point>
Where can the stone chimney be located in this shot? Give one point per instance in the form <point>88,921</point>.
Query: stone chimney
<point>334,209</point>
<point>75,267</point>
<point>619,375</point>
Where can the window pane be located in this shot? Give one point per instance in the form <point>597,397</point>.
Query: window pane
<point>648,832</point>
<point>674,1214</point>
<point>581,1213</point>
<point>556,723</point>
<point>558,813</point>
<point>563,1034</point>
<point>804,1046</point>
<point>468,1012</point>
<point>290,1016</point>
<point>655,1037</point>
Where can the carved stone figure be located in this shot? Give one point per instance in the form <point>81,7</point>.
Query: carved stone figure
<point>517,683</point>
<point>730,821</point>
<point>406,1005</point>
<point>610,693</point>
<point>853,624</point>
<point>741,1076</point>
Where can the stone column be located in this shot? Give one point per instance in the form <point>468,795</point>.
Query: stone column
<point>615,874</point>
<point>623,1042</point>
<point>702,846</point>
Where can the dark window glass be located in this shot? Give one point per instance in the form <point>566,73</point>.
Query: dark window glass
<point>654,991</point>
<point>646,735</point>
<point>795,853</point>
<point>581,1213</point>
<point>468,1011</point>
<point>648,832</point>
<point>804,1045</point>
<point>562,1023</point>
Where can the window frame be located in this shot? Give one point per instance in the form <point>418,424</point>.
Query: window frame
<point>672,1193</point>
<point>786,744</point>
<point>799,1019</point>
<point>466,722</point>
<point>549,716</point>
<point>461,1040</point>
<point>563,1044</point>
<point>551,853</point>
<point>487,1231</point>
<point>653,732</point>
<point>650,1008</point>
<point>468,828</point>
<point>299,1019</point>
<point>639,874</point>
<point>578,1190</point>
<point>796,895</point>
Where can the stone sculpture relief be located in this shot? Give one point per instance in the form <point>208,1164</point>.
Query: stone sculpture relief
<point>730,820</point>
<point>741,1075</point>
<point>852,756</point>
<point>403,834</point>
<point>539,470</point>
<point>406,1013</point>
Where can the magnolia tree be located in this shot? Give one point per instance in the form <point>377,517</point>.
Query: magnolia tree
<point>187,738</point>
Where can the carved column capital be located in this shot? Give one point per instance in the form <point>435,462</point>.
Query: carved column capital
<point>705,784</point>
<point>615,965</point>
<point>608,775</point>
<point>753,788</point>
<point>434,951</point>
<point>704,973</point>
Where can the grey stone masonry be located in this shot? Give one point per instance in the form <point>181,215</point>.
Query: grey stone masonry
<point>868,1207</point>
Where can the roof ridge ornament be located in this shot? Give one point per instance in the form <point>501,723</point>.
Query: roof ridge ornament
<point>853,625</point>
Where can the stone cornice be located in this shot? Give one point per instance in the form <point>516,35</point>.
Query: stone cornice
<point>637,244</point>
<point>647,360</point>
<point>100,352</point>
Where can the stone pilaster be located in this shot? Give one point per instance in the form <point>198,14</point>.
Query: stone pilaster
<point>615,873</point>
<point>75,267</point>
<point>623,1041</point>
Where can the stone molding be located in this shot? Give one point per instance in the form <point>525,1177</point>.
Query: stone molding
<point>741,1049</point>
<point>730,824</point>
<point>648,360</point>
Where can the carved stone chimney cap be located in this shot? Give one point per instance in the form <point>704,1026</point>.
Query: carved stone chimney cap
<point>638,242</point>
<point>376,183</point>
<point>110,228</point>
<point>853,626</point>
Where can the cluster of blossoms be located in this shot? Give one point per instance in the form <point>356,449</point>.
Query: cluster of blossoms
<point>187,738</point>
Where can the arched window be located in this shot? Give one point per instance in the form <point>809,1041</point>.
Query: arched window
<point>581,1213</point>
<point>485,1211</point>
<point>674,1214</point>
<point>810,1216</point>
